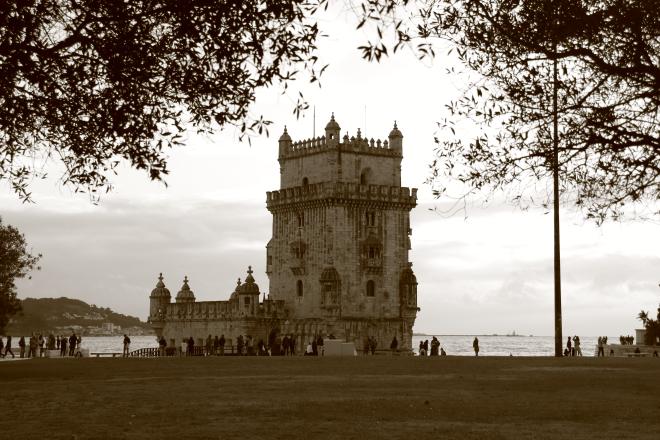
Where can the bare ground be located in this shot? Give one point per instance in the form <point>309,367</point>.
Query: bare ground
<point>345,398</point>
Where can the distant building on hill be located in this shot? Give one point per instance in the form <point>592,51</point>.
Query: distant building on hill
<point>337,261</point>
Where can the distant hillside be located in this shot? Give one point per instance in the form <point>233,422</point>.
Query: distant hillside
<point>59,315</point>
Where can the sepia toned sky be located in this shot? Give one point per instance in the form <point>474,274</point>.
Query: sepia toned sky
<point>484,270</point>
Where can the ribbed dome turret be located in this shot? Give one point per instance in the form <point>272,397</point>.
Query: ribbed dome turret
<point>185,294</point>
<point>234,294</point>
<point>160,290</point>
<point>285,136</point>
<point>395,133</point>
<point>249,286</point>
<point>332,124</point>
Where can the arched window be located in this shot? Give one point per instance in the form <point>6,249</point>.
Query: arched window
<point>301,219</point>
<point>305,181</point>
<point>299,287</point>
<point>365,176</point>
<point>370,288</point>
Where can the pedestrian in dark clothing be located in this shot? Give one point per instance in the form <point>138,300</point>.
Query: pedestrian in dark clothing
<point>292,345</point>
<point>8,347</point>
<point>191,346</point>
<point>162,344</point>
<point>285,345</point>
<point>127,344</point>
<point>57,342</point>
<point>209,345</point>
<point>435,345</point>
<point>216,344</point>
<point>569,346</point>
<point>221,344</point>
<point>372,345</point>
<point>2,345</point>
<point>426,347</point>
<point>319,345</point>
<point>239,345</point>
<point>73,340</point>
<point>33,346</point>
<point>394,345</point>
<point>475,346</point>
<point>21,345</point>
<point>315,348</point>
<point>63,342</point>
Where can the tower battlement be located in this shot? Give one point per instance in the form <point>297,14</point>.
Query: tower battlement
<point>332,141</point>
<point>338,191</point>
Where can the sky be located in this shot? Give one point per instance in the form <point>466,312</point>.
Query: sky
<point>487,269</point>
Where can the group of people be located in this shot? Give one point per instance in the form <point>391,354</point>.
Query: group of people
<point>573,346</point>
<point>37,344</point>
<point>436,350</point>
<point>245,346</point>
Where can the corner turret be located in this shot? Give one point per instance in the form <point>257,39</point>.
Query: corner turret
<point>285,142</point>
<point>332,132</point>
<point>158,302</point>
<point>396,139</point>
<point>185,295</point>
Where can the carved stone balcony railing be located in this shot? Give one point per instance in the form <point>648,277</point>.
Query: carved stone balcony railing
<point>341,192</point>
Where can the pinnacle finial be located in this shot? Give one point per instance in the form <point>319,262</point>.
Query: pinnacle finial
<point>287,132</point>
<point>185,279</point>
<point>250,270</point>
<point>160,277</point>
<point>332,116</point>
<point>238,283</point>
<point>394,125</point>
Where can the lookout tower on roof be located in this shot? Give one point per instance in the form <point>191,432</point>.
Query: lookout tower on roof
<point>338,257</point>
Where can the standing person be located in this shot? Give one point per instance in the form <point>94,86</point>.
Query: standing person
<point>127,345</point>
<point>21,345</point>
<point>216,344</point>
<point>8,347</point>
<point>285,345</point>
<point>394,344</point>
<point>601,351</point>
<point>569,347</point>
<point>221,344</point>
<point>41,345</point>
<point>63,342</point>
<point>162,344</point>
<point>184,346</point>
<point>33,346</point>
<point>2,345</point>
<point>475,346</point>
<point>239,345</point>
<point>578,350</point>
<point>426,347</point>
<point>315,347</point>
<point>191,346</point>
<point>209,345</point>
<point>373,345</point>
<point>292,345</point>
<point>421,348</point>
<point>435,346</point>
<point>319,343</point>
<point>72,343</point>
<point>57,342</point>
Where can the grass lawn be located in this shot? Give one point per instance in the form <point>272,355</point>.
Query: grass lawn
<point>361,398</point>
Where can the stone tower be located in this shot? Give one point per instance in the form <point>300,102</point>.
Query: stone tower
<point>338,256</point>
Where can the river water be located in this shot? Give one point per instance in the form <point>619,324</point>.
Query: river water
<point>456,345</point>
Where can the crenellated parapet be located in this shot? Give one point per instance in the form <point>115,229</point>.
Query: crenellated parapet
<point>331,141</point>
<point>341,192</point>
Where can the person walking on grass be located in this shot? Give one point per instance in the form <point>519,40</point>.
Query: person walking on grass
<point>569,348</point>
<point>221,344</point>
<point>127,345</point>
<point>475,346</point>
<point>8,347</point>
<point>601,351</point>
<point>33,346</point>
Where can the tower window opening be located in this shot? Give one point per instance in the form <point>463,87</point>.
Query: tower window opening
<point>305,181</point>
<point>371,218</point>
<point>365,177</point>
<point>374,252</point>
<point>301,220</point>
<point>370,288</point>
<point>299,288</point>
